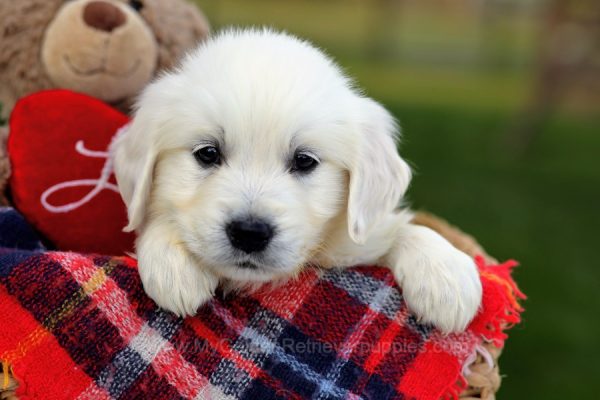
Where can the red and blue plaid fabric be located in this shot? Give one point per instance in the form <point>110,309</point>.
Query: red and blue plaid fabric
<point>81,326</point>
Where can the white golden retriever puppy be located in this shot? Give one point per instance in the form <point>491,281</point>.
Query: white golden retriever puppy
<point>257,156</point>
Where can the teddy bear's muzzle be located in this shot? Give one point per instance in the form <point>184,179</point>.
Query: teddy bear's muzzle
<point>102,48</point>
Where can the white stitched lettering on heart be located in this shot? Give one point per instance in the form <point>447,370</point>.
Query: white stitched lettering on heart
<point>97,185</point>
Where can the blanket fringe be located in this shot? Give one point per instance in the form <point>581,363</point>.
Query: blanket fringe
<point>5,369</point>
<point>501,311</point>
<point>7,372</point>
<point>502,296</point>
<point>455,390</point>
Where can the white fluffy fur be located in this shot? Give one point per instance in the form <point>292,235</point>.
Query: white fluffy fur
<point>261,95</point>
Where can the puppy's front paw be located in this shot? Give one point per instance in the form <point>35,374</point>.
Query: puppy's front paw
<point>170,275</point>
<point>441,285</point>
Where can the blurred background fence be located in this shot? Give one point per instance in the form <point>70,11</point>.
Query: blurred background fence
<point>499,101</point>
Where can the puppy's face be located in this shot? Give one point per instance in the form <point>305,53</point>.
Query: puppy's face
<point>251,200</point>
<point>252,149</point>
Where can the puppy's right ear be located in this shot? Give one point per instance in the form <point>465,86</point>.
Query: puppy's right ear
<point>134,156</point>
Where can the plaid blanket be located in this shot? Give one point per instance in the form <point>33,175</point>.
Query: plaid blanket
<point>80,326</point>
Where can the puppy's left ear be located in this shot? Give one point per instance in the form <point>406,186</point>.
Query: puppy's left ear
<point>378,176</point>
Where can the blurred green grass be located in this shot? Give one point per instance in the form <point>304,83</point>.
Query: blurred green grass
<point>541,211</point>
<point>456,92</point>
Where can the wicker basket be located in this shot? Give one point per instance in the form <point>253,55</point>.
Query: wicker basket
<point>483,381</point>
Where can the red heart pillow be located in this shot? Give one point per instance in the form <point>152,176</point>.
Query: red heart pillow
<point>61,179</point>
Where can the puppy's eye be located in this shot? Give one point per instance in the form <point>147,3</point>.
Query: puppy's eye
<point>137,5</point>
<point>208,155</point>
<point>304,163</point>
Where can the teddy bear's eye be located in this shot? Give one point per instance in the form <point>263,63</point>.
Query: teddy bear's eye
<point>137,5</point>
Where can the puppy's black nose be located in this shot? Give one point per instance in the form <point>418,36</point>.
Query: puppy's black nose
<point>249,235</point>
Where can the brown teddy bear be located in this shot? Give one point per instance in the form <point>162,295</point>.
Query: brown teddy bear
<point>108,49</point>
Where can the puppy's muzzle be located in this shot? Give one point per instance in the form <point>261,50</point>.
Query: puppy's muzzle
<point>250,235</point>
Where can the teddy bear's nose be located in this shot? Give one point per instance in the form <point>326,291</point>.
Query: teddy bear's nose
<point>103,16</point>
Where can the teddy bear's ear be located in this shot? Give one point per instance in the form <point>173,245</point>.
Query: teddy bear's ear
<point>178,26</point>
<point>22,27</point>
<point>134,157</point>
